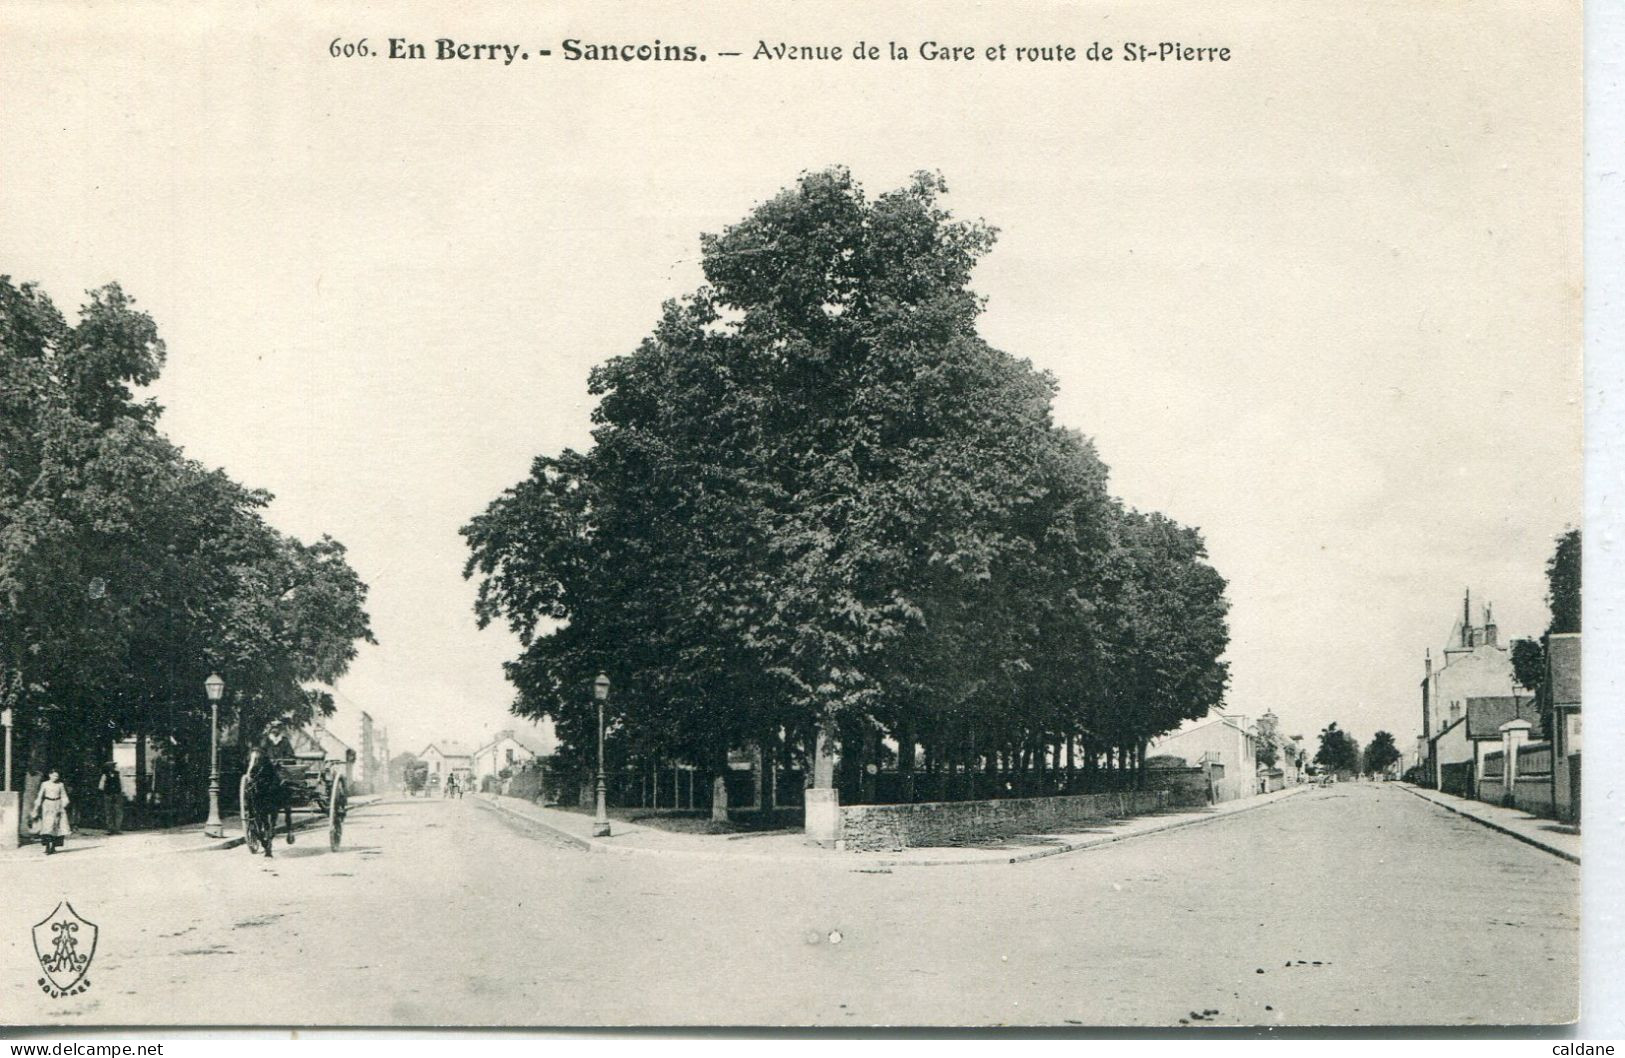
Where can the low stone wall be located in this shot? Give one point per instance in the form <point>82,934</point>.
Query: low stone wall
<point>1531,793</point>
<point>1187,787</point>
<point>876,828</point>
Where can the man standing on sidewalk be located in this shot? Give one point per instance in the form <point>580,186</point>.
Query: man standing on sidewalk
<point>112,788</point>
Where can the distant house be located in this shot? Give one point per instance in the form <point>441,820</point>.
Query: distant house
<point>447,758</point>
<point>512,747</point>
<point>1225,744</point>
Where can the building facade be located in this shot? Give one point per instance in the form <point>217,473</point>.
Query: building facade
<point>1230,742</point>
<point>1560,702</point>
<point>512,748</point>
<point>446,758</point>
<point>1474,664</point>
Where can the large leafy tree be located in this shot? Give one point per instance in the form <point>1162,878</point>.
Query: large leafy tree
<point>817,501</point>
<point>1563,604</point>
<point>1381,753</point>
<point>127,571</point>
<point>1563,584</point>
<point>1338,751</point>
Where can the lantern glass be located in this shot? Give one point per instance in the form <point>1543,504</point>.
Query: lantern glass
<point>215,686</point>
<point>600,687</point>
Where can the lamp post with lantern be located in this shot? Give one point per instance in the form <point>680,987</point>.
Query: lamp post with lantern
<point>600,822</point>
<point>214,686</point>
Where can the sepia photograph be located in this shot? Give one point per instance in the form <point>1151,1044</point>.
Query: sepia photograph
<point>1051,515</point>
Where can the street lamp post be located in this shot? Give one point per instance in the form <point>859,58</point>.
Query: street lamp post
<point>600,822</point>
<point>214,686</point>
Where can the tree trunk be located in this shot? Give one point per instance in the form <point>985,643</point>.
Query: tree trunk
<point>871,761</point>
<point>757,764</point>
<point>770,765</point>
<point>823,760</point>
<point>38,760</point>
<point>905,762</point>
<point>970,763</point>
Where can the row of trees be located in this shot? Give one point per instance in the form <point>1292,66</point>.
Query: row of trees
<point>819,505</point>
<point>1340,751</point>
<point>129,572</point>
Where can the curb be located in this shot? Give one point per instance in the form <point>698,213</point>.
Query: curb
<point>1491,824</point>
<point>841,860</point>
<point>1092,843</point>
<point>585,844</point>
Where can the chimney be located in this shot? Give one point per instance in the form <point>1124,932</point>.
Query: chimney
<point>1466,618</point>
<point>1490,634</point>
<point>1427,693</point>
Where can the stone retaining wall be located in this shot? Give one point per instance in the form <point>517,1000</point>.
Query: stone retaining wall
<point>876,828</point>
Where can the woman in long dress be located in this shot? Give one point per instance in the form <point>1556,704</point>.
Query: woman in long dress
<point>51,812</point>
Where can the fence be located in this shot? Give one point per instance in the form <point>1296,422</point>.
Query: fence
<point>1531,788</point>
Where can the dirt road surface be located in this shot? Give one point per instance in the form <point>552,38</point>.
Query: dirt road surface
<point>1356,904</point>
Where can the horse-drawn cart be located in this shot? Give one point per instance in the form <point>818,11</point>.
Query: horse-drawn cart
<point>310,785</point>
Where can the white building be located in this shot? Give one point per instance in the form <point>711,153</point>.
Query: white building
<point>1476,665</point>
<point>1231,742</point>
<point>512,747</point>
<point>447,758</point>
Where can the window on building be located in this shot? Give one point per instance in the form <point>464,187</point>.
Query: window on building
<point>510,756</point>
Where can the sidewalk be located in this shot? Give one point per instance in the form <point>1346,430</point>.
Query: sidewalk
<point>633,838</point>
<point>141,843</point>
<point>1559,839</point>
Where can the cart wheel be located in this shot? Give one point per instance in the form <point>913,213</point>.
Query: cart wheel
<point>335,813</point>
<point>245,806</point>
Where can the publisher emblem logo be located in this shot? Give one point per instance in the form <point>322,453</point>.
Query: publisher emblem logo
<point>65,943</point>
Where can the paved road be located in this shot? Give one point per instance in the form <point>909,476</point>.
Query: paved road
<point>1355,904</point>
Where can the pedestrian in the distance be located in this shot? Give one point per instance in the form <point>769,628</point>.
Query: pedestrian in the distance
<point>112,789</point>
<point>51,812</point>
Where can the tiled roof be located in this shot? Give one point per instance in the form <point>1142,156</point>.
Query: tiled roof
<point>1563,654</point>
<point>447,749</point>
<point>1486,715</point>
<point>530,740</point>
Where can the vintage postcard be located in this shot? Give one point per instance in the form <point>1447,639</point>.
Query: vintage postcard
<point>1057,514</point>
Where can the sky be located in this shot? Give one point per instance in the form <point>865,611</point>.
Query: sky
<point>1322,302</point>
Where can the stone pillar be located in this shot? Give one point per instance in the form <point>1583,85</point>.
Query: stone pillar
<point>823,801</point>
<point>719,798</point>
<point>1514,733</point>
<point>11,819</point>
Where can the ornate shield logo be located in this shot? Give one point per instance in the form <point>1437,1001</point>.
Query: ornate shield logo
<point>65,944</point>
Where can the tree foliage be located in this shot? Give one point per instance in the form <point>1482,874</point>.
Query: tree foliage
<point>1528,662</point>
<point>1563,584</point>
<point>1381,753</point>
<point>127,571</point>
<point>1338,750</point>
<point>817,499</point>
